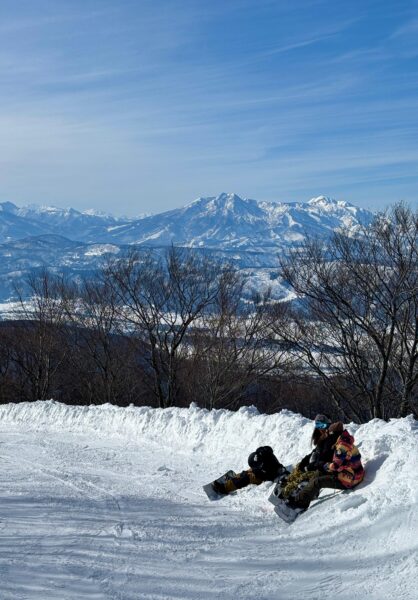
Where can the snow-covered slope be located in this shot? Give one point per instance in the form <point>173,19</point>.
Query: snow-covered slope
<point>21,257</point>
<point>106,502</point>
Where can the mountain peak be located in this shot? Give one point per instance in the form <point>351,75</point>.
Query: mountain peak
<point>222,198</point>
<point>228,197</point>
<point>8,207</point>
<point>224,203</point>
<point>327,202</point>
<point>229,202</point>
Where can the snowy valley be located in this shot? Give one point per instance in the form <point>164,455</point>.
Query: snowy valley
<point>107,503</point>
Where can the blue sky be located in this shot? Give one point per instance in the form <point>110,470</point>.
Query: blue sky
<point>141,106</point>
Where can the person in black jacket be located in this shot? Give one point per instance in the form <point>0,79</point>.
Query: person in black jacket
<point>324,442</point>
<point>264,466</point>
<point>324,437</point>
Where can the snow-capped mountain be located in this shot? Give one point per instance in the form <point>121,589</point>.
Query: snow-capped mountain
<point>229,222</point>
<point>13,227</point>
<point>248,233</point>
<point>226,222</point>
<point>17,223</point>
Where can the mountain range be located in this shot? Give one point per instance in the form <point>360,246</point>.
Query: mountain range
<point>249,233</point>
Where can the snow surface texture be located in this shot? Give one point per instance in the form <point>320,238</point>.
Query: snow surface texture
<point>106,503</point>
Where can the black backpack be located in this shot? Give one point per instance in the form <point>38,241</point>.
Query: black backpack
<point>264,464</point>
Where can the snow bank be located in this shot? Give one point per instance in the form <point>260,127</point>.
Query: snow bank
<point>138,479</point>
<point>390,450</point>
<point>192,429</point>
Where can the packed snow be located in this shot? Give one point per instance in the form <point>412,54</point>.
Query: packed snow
<point>100,249</point>
<point>102,502</point>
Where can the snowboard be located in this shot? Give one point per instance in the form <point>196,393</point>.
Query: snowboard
<point>285,512</point>
<point>289,514</point>
<point>211,492</point>
<point>281,509</point>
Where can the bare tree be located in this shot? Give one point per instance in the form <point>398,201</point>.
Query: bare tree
<point>101,354</point>
<point>159,299</point>
<point>233,347</point>
<point>40,353</point>
<point>6,363</point>
<point>398,234</point>
<point>358,326</point>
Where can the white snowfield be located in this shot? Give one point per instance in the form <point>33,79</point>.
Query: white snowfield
<point>107,503</point>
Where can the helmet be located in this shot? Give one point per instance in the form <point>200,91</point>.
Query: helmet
<point>322,422</point>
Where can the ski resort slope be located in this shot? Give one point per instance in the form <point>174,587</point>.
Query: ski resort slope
<point>107,503</point>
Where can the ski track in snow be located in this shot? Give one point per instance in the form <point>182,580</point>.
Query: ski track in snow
<point>106,503</point>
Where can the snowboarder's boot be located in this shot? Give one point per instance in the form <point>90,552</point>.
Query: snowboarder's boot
<point>280,482</point>
<point>216,489</point>
<point>285,511</point>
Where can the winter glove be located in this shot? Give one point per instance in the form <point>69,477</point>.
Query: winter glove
<point>317,466</point>
<point>313,462</point>
<point>303,464</point>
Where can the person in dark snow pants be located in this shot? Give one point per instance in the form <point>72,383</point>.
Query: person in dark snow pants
<point>335,463</point>
<point>264,466</point>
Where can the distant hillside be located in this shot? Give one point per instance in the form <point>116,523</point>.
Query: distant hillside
<point>248,233</point>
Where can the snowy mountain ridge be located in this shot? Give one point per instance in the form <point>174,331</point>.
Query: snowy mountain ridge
<point>229,222</point>
<point>225,221</point>
<point>249,234</point>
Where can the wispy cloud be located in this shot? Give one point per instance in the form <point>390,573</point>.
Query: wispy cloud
<point>407,29</point>
<point>168,100</point>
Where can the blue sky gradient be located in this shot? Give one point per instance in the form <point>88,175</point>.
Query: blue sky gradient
<point>141,106</point>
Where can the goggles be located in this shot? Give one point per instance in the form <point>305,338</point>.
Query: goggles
<point>321,425</point>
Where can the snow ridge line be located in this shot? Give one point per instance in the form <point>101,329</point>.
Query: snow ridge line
<point>185,428</point>
<point>216,432</point>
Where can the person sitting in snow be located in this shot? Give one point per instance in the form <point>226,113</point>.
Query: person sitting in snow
<point>264,466</point>
<point>334,463</point>
<point>323,439</point>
